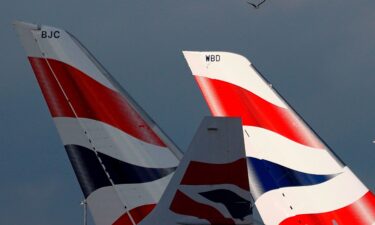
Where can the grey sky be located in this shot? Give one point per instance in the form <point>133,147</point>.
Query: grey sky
<point>319,54</point>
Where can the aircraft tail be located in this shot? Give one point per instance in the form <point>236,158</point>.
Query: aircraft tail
<point>210,185</point>
<point>122,160</point>
<point>294,177</point>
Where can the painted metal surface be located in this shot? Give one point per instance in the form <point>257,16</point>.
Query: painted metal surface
<point>294,177</point>
<point>113,145</point>
<point>210,186</point>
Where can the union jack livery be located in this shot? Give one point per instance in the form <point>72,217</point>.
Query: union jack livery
<point>122,160</point>
<point>210,186</point>
<point>294,177</point>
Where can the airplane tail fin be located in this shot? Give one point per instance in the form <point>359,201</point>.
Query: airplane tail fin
<point>116,150</point>
<point>210,185</point>
<point>294,177</point>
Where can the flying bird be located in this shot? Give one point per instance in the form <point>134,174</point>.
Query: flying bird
<point>256,6</point>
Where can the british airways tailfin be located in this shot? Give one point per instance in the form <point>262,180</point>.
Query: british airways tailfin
<point>294,177</point>
<point>122,160</point>
<point>210,185</point>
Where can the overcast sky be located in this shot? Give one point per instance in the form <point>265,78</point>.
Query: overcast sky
<point>319,54</point>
